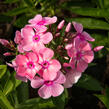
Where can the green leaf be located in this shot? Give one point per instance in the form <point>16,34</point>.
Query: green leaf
<point>29,3</point>
<point>91,23</point>
<point>89,83</point>
<point>11,1</point>
<point>106,3</point>
<point>21,21</point>
<point>36,103</point>
<point>5,103</point>
<point>104,98</point>
<point>93,12</point>
<point>10,84</point>
<point>17,11</point>
<point>5,19</point>
<point>60,100</point>
<point>3,69</point>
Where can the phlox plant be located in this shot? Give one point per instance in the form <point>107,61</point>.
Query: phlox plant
<point>50,59</point>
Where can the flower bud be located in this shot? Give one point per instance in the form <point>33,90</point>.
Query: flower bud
<point>68,27</point>
<point>98,48</point>
<point>61,24</point>
<point>57,34</point>
<point>4,42</point>
<point>7,54</point>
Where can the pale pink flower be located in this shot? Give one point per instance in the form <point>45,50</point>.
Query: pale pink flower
<point>61,24</point>
<point>33,40</point>
<point>41,21</point>
<point>98,48</point>
<point>50,66</point>
<point>49,88</point>
<point>4,42</point>
<point>82,35</point>
<point>27,65</point>
<point>68,27</point>
<point>81,54</point>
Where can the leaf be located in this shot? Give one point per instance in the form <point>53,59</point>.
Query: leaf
<point>36,103</point>
<point>93,12</point>
<point>106,3</point>
<point>5,19</point>
<point>3,69</point>
<point>17,11</point>
<point>29,3</point>
<point>10,84</point>
<point>21,21</point>
<point>91,23</point>
<point>60,100</point>
<point>11,1</point>
<point>89,83</point>
<point>104,98</point>
<point>4,101</point>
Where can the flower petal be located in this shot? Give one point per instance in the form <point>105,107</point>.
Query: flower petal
<point>57,89</point>
<point>45,92</point>
<point>36,82</point>
<point>87,36</point>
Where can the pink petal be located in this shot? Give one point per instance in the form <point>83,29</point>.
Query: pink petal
<point>27,47</point>
<point>61,24</point>
<point>45,92</point>
<point>71,78</point>
<point>49,74</point>
<point>81,65</point>
<point>98,48</point>
<point>32,56</point>
<point>84,46</point>
<point>47,37</point>
<point>36,82</point>
<point>57,89</point>
<point>78,27</point>
<point>68,27</point>
<point>17,38</point>
<point>87,36</point>
<point>20,48</point>
<point>60,78</point>
<point>21,78</point>
<point>21,60</point>
<point>46,53</point>
<point>73,63</point>
<point>88,56</point>
<point>21,71</point>
<point>36,19</point>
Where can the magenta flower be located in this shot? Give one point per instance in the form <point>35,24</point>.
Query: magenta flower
<point>38,20</point>
<point>82,35</point>
<point>81,54</point>
<point>26,65</point>
<point>49,88</point>
<point>50,66</point>
<point>33,40</point>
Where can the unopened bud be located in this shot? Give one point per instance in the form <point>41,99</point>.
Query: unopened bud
<point>66,40</point>
<point>4,42</point>
<point>7,54</point>
<point>68,27</point>
<point>98,48</point>
<point>61,24</point>
<point>57,34</point>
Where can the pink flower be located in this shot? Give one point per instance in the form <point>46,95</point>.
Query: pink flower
<point>27,65</point>
<point>82,35</point>
<point>61,24</point>
<point>68,27</point>
<point>81,54</point>
<point>33,40</point>
<point>4,42</point>
<point>98,48</point>
<point>49,88</point>
<point>41,21</point>
<point>50,66</point>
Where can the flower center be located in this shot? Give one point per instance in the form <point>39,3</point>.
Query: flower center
<point>48,83</point>
<point>36,38</point>
<point>41,22</point>
<point>78,55</point>
<point>45,64</point>
<point>30,65</point>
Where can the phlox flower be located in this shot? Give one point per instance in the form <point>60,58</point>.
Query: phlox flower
<point>49,88</point>
<point>38,20</point>
<point>82,35</point>
<point>26,65</point>
<point>81,54</point>
<point>50,66</point>
<point>33,40</point>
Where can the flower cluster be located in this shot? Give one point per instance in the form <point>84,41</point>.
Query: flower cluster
<point>35,60</point>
